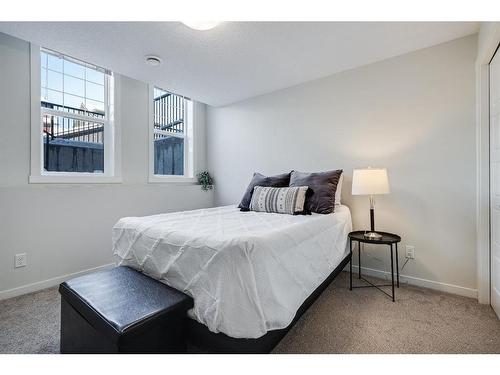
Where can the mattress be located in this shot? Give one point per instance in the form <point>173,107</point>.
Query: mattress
<point>248,272</point>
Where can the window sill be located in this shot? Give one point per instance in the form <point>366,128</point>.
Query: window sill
<point>85,178</point>
<point>156,179</point>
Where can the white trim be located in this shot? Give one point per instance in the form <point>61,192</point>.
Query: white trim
<point>75,116</point>
<point>71,178</point>
<point>190,146</point>
<point>34,287</point>
<point>115,137</point>
<point>112,135</point>
<point>167,133</point>
<point>36,117</point>
<point>158,179</point>
<point>189,157</point>
<point>411,280</point>
<point>489,39</point>
<point>150,133</point>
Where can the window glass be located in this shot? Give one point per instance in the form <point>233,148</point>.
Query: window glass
<point>54,80</point>
<point>74,86</point>
<point>43,60</point>
<point>74,101</point>
<point>94,106</point>
<point>74,70</point>
<point>168,155</point>
<point>95,76</point>
<point>54,63</point>
<point>55,97</point>
<point>73,114</point>
<point>43,77</point>
<point>169,118</point>
<point>72,145</point>
<point>94,91</point>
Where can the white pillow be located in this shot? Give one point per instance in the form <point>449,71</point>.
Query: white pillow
<point>338,192</point>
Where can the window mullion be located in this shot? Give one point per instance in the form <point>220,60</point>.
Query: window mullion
<point>73,116</point>
<point>168,134</point>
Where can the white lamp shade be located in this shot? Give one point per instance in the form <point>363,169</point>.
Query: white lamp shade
<point>370,181</point>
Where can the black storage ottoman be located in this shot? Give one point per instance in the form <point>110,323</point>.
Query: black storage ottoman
<point>122,311</point>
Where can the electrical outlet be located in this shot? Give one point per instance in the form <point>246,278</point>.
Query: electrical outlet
<point>410,252</point>
<point>20,260</point>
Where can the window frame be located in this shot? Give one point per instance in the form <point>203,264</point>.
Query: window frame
<point>189,143</point>
<point>112,146</point>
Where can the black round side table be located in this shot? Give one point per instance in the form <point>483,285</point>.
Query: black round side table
<point>389,239</point>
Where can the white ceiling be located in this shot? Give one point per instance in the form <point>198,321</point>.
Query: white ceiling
<point>236,60</point>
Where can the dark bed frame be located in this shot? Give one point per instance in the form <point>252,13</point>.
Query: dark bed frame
<point>201,340</point>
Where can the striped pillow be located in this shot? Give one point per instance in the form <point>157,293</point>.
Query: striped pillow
<point>286,200</point>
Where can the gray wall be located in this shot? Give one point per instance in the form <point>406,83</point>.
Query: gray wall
<point>67,228</point>
<point>413,114</point>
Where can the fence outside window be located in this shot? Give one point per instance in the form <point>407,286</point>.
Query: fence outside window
<point>169,132</point>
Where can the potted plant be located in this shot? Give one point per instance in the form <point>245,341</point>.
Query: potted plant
<point>205,180</point>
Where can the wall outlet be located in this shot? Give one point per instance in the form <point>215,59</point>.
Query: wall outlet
<point>410,252</point>
<point>20,260</point>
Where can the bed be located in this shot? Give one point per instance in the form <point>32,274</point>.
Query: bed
<point>251,274</point>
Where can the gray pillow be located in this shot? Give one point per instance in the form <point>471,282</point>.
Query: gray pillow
<point>322,187</point>
<point>281,180</point>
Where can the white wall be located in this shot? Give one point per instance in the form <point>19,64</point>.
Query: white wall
<point>66,229</point>
<point>413,114</point>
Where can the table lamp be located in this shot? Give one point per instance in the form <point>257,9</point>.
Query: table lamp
<point>370,181</point>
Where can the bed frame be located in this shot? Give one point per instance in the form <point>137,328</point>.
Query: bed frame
<point>201,340</point>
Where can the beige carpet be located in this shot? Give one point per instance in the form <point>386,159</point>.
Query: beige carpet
<point>366,321</point>
<point>340,321</point>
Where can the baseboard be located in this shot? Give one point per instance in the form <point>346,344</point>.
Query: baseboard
<point>34,287</point>
<point>430,284</point>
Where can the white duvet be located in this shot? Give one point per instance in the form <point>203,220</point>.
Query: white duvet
<point>248,272</point>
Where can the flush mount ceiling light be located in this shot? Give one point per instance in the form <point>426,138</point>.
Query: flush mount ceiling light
<point>152,60</point>
<point>201,25</point>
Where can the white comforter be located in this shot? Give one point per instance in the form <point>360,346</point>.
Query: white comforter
<point>248,272</point>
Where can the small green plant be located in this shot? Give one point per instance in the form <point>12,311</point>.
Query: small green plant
<point>205,180</point>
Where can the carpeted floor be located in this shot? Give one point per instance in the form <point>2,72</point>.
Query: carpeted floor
<point>340,321</point>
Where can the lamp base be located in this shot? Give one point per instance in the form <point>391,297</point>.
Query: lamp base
<point>373,235</point>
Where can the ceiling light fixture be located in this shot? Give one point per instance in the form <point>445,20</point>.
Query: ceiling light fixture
<point>201,25</point>
<point>152,60</point>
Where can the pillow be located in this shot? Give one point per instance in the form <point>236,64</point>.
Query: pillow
<point>281,180</point>
<point>322,187</point>
<point>338,191</point>
<point>287,200</point>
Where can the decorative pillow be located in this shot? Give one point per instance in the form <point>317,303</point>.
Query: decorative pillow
<point>281,180</point>
<point>322,187</point>
<point>288,200</point>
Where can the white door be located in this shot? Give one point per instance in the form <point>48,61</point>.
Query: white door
<point>495,181</point>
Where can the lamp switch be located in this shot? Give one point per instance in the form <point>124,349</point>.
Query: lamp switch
<point>410,252</point>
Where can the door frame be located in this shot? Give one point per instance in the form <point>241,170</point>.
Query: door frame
<point>489,39</point>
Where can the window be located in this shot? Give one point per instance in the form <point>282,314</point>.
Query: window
<point>75,106</point>
<point>171,146</point>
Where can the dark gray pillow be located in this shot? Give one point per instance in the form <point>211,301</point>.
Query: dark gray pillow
<point>322,187</point>
<point>281,180</point>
